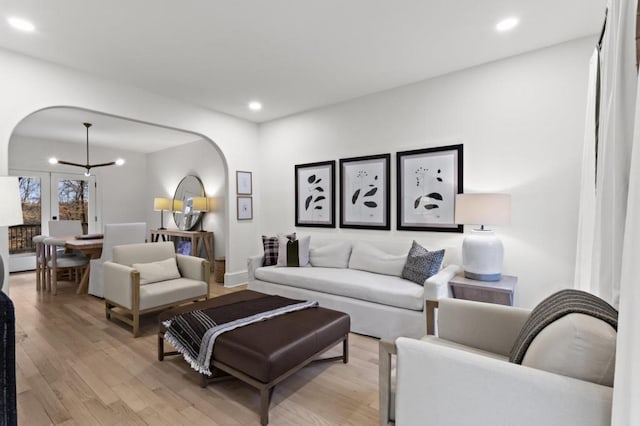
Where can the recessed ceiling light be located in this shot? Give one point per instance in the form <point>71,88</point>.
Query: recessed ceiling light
<point>53,160</point>
<point>21,24</point>
<point>507,24</point>
<point>255,106</point>
<point>119,161</point>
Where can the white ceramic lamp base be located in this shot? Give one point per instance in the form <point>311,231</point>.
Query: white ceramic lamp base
<point>482,255</point>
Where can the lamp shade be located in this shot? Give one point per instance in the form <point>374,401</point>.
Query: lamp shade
<point>161,203</point>
<point>178,205</point>
<point>10,206</point>
<point>483,209</point>
<point>200,204</point>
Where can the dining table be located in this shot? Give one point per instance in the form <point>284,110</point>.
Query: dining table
<point>90,246</point>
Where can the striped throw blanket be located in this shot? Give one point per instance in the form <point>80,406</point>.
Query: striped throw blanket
<point>194,333</point>
<point>555,307</point>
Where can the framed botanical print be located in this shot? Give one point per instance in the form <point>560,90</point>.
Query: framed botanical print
<point>245,208</point>
<point>428,181</point>
<point>364,192</point>
<point>244,184</point>
<point>314,194</point>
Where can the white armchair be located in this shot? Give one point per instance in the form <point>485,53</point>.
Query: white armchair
<point>463,376</point>
<point>126,298</point>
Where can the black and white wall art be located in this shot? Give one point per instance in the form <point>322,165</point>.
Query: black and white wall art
<point>364,192</point>
<point>428,181</point>
<point>314,193</point>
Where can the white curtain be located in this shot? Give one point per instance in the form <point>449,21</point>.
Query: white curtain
<point>586,218</point>
<point>608,257</point>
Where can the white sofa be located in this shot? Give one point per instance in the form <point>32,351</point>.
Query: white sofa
<point>361,279</point>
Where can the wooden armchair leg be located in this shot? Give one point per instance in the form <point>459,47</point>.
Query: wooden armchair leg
<point>385,350</point>
<point>136,324</point>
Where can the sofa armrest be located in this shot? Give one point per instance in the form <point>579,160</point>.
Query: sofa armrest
<point>452,386</point>
<point>484,326</point>
<point>386,349</point>
<point>195,268</point>
<point>118,283</point>
<point>253,263</point>
<point>437,286</point>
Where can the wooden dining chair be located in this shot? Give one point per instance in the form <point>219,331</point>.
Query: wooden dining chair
<point>57,262</point>
<point>41,262</point>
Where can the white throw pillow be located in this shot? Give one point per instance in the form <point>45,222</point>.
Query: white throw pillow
<point>153,272</point>
<point>576,345</point>
<point>366,257</point>
<point>334,255</point>
<point>303,250</point>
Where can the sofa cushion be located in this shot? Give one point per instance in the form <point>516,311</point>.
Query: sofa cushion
<point>335,255</point>
<point>161,270</point>
<point>376,288</point>
<point>421,263</point>
<point>366,257</point>
<point>168,292</point>
<point>270,246</point>
<point>293,253</point>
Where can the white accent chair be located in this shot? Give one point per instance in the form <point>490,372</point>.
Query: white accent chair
<point>126,299</point>
<point>463,376</point>
<point>115,234</point>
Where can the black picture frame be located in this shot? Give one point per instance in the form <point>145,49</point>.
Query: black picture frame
<point>365,186</point>
<point>315,200</point>
<point>427,183</point>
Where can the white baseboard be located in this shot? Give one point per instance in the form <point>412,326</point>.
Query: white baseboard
<point>233,279</point>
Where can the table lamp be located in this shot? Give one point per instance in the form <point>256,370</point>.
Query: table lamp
<point>201,205</point>
<point>482,251</point>
<point>161,204</point>
<point>10,209</point>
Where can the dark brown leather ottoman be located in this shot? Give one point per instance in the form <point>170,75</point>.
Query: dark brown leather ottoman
<point>265,353</point>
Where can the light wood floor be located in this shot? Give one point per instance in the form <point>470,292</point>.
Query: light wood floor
<point>76,368</point>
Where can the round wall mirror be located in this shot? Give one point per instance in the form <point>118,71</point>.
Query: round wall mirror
<point>185,218</point>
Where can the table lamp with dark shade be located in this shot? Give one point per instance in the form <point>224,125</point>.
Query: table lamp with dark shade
<point>10,209</point>
<point>482,251</point>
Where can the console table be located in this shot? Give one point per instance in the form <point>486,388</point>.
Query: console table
<point>200,240</point>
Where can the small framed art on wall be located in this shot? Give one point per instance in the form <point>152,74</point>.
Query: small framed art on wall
<point>245,208</point>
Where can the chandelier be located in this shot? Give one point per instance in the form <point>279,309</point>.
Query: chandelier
<point>87,166</point>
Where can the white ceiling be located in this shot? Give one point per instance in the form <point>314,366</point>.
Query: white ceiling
<point>293,55</point>
<point>65,125</point>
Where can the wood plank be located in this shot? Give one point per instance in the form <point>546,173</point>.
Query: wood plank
<point>75,367</point>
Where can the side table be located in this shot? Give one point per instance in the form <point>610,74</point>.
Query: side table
<point>499,292</point>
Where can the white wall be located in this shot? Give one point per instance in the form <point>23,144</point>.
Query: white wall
<point>28,85</point>
<point>166,168</point>
<point>521,121</point>
<point>121,189</point>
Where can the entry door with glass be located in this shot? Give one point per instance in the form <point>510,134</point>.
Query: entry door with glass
<point>73,198</point>
<point>47,196</point>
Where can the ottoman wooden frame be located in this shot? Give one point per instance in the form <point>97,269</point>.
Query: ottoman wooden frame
<point>222,371</point>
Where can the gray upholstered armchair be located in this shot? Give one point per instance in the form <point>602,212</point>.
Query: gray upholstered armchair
<point>147,277</point>
<point>463,376</point>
